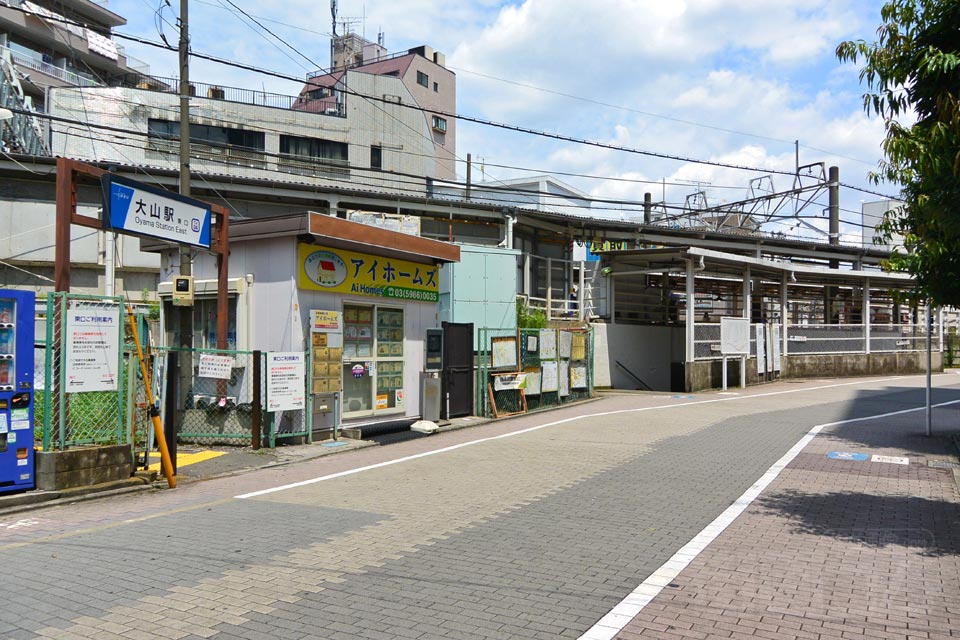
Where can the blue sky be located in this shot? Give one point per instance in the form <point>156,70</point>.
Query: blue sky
<point>734,81</point>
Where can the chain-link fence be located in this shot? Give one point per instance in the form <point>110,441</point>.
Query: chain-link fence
<point>84,373</point>
<point>903,337</point>
<point>556,367</point>
<point>212,410</point>
<point>218,406</point>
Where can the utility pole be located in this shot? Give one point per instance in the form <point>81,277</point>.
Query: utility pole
<point>183,316</point>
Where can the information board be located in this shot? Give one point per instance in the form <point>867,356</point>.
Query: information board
<point>133,207</point>
<point>735,336</point>
<point>93,349</point>
<point>286,387</point>
<point>776,347</point>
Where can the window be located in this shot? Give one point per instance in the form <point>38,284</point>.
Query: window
<point>226,145</point>
<point>376,157</point>
<point>319,94</point>
<point>436,87</point>
<point>313,156</point>
<point>207,134</point>
<point>423,79</point>
<point>439,124</point>
<point>373,339</point>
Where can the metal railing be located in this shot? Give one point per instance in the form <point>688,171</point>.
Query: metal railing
<point>36,63</point>
<point>826,339</point>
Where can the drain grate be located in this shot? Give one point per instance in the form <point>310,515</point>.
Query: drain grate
<point>943,464</point>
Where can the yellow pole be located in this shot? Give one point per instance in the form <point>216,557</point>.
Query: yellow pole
<point>165,462</point>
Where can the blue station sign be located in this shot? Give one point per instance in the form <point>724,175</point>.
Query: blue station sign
<point>133,207</point>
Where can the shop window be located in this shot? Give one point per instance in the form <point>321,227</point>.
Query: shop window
<point>372,360</point>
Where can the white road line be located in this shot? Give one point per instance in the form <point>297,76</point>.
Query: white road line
<point>263,492</point>
<point>613,623</point>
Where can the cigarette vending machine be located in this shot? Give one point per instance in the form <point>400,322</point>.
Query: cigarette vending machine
<point>16,390</point>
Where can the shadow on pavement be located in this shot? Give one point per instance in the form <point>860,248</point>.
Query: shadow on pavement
<point>929,525</point>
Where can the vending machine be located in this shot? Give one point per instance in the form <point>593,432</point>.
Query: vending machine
<point>16,390</point>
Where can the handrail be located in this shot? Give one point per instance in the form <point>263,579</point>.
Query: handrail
<point>645,386</point>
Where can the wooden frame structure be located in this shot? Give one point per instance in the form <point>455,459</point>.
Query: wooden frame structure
<point>66,215</point>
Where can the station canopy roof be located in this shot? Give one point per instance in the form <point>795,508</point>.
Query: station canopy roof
<point>629,262</point>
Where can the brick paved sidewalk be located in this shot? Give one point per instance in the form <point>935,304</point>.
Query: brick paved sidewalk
<point>834,549</point>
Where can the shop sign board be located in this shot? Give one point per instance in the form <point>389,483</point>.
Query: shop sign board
<point>355,273</point>
<point>133,207</point>
<point>322,321</point>
<point>286,386</point>
<point>93,347</point>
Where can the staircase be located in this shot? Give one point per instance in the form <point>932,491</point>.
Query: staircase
<point>22,133</point>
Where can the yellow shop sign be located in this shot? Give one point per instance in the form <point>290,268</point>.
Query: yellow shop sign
<point>336,270</point>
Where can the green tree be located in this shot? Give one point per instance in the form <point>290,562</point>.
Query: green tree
<point>912,73</point>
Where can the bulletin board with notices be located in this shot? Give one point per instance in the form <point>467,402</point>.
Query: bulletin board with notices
<point>326,343</point>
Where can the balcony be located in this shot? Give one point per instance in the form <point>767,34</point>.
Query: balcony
<point>36,63</point>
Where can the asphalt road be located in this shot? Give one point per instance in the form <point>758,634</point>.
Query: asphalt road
<point>534,527</point>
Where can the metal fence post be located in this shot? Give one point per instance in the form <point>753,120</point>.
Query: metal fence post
<point>62,400</point>
<point>48,375</point>
<point>308,406</point>
<point>257,414</point>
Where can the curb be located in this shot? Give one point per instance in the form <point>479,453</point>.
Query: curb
<point>19,503</point>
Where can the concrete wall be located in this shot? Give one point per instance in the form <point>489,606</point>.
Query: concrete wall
<point>859,364</point>
<point>708,374</point>
<point>647,351</point>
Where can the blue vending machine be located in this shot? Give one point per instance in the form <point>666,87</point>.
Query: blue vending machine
<point>16,390</point>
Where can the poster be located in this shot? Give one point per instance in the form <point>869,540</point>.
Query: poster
<point>93,349</point>
<point>212,366</point>
<point>579,346</point>
<point>769,337</point>
<point>566,344</point>
<point>504,352</point>
<point>533,382</point>
<point>548,344</point>
<point>510,382</point>
<point>578,376</point>
<point>761,350</point>
<point>548,377</point>
<point>563,378</point>
<point>286,389</point>
<point>776,347</point>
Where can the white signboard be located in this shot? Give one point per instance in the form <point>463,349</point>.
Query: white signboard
<point>776,347</point>
<point>212,366</point>
<point>761,349</point>
<point>286,384</point>
<point>566,344</point>
<point>769,337</point>
<point>735,336</point>
<point>133,207</point>
<point>548,344</point>
<point>93,349</point>
<point>548,378</point>
<point>563,378</point>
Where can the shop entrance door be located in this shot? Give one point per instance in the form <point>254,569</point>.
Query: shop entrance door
<point>457,370</point>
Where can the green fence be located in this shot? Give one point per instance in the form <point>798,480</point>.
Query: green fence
<point>557,368</point>
<point>84,384</point>
<point>219,411</point>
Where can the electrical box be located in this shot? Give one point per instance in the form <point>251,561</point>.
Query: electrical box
<point>183,291</point>
<point>433,359</point>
